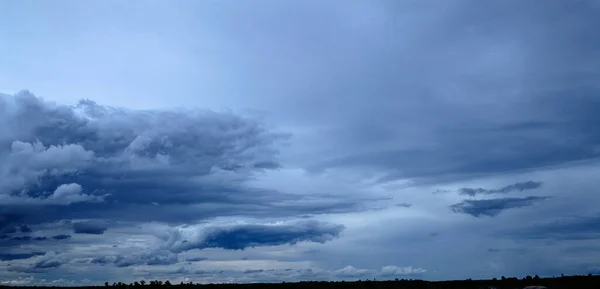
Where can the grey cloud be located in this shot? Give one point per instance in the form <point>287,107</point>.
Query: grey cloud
<point>8,229</point>
<point>451,110</point>
<point>110,163</point>
<point>18,256</point>
<point>195,259</point>
<point>61,237</point>
<point>49,260</point>
<point>64,194</point>
<point>403,205</point>
<point>25,229</point>
<point>529,185</point>
<point>493,207</point>
<point>151,258</point>
<point>239,237</point>
<point>385,272</point>
<point>102,260</point>
<point>309,274</point>
<point>49,263</point>
<point>91,227</point>
<point>562,228</point>
<point>33,238</point>
<point>21,238</point>
<point>429,91</point>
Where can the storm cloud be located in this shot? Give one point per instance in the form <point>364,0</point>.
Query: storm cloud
<point>260,141</point>
<point>105,162</point>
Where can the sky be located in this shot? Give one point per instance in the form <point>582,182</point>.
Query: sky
<point>268,141</point>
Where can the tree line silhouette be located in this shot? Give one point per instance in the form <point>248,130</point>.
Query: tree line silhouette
<point>564,282</point>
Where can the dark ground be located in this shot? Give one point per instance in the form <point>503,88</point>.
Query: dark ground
<point>566,282</point>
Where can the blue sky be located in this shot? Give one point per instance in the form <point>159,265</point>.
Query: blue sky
<point>249,141</point>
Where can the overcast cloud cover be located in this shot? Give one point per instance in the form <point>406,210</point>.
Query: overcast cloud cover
<point>246,141</point>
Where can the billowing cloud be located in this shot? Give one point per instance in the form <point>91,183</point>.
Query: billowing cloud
<point>493,207</point>
<point>105,161</point>
<point>242,236</point>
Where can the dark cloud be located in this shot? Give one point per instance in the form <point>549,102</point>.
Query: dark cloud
<point>239,237</point>
<point>8,230</point>
<point>61,237</point>
<point>21,238</point>
<point>49,260</point>
<point>403,205</point>
<point>18,256</point>
<point>102,260</point>
<point>48,263</point>
<point>95,228</point>
<point>106,159</point>
<point>452,109</point>
<point>564,228</point>
<point>493,207</point>
<point>151,258</point>
<point>529,185</point>
<point>25,229</point>
<point>119,164</point>
<point>32,238</point>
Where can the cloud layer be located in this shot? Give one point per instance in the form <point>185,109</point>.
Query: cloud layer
<point>319,147</point>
